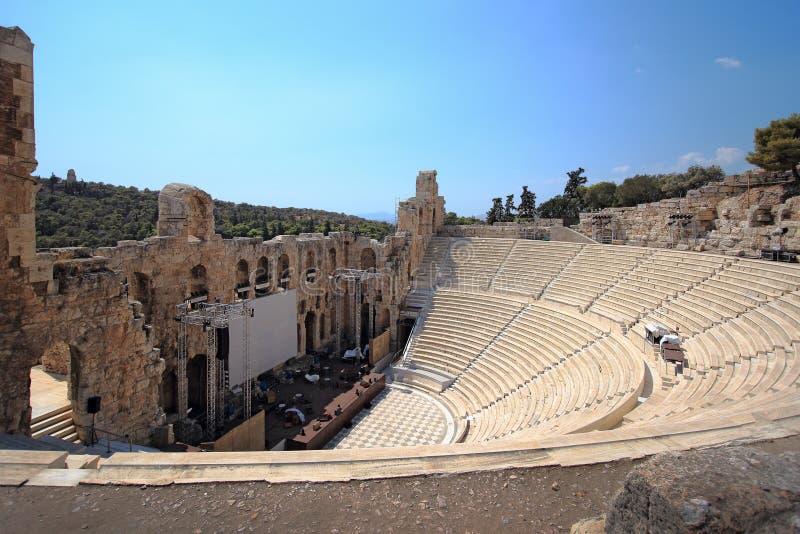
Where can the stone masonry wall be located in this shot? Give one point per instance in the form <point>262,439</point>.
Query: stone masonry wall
<point>726,218</point>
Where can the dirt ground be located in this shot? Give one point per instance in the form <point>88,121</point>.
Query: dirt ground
<point>515,500</point>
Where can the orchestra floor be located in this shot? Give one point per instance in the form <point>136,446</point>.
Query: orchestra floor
<point>400,416</point>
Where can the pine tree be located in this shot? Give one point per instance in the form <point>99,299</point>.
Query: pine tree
<point>496,213</point>
<point>327,229</point>
<point>574,183</point>
<point>527,204</point>
<point>777,147</point>
<point>509,209</point>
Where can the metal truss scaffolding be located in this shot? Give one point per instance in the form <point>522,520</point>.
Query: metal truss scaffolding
<point>211,383</point>
<point>183,394</point>
<point>211,316</point>
<point>355,276</point>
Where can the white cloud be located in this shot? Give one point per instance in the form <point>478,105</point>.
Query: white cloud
<point>728,62</point>
<point>723,156</point>
<point>692,157</point>
<point>620,169</point>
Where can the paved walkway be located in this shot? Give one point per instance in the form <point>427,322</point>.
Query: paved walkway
<point>399,416</point>
<point>48,391</point>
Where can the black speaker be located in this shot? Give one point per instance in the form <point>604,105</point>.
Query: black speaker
<point>93,404</point>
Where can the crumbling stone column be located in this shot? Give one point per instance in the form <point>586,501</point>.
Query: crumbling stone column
<point>17,228</point>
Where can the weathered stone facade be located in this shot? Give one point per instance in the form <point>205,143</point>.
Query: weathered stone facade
<point>105,317</point>
<point>69,298</point>
<point>736,216</point>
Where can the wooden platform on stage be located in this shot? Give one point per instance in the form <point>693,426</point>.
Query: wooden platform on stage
<point>348,404</point>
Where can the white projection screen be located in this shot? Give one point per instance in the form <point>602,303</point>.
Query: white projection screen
<point>272,332</point>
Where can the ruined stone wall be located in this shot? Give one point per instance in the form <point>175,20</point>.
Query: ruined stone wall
<point>421,217</point>
<point>60,299</point>
<point>106,316</point>
<point>159,271</point>
<point>725,217</point>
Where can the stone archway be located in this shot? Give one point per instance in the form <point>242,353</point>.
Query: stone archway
<point>284,272</point>
<point>367,259</point>
<point>168,392</point>
<point>199,281</point>
<point>332,259</point>
<point>310,328</point>
<point>242,279</point>
<point>263,277</point>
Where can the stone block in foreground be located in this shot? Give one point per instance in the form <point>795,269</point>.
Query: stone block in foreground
<point>729,489</point>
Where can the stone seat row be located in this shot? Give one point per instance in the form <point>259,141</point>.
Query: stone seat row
<point>584,389</point>
<point>649,284</point>
<point>740,387</point>
<point>531,342</point>
<point>760,330</point>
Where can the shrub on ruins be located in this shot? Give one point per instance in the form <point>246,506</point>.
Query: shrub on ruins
<point>677,184</point>
<point>777,147</point>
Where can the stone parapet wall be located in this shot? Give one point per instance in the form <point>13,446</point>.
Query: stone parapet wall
<point>726,217</point>
<point>509,230</point>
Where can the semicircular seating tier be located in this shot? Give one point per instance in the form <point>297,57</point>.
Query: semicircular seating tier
<point>544,338</point>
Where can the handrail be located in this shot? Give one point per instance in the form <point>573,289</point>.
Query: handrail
<point>93,430</point>
<point>407,346</point>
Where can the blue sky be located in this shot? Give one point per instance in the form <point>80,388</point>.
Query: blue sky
<point>337,105</point>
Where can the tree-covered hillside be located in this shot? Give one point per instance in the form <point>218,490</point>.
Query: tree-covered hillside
<point>93,214</point>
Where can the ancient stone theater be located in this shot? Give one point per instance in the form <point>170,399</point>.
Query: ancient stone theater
<point>441,349</point>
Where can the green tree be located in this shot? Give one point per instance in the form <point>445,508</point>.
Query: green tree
<point>53,182</point>
<point>509,209</point>
<point>600,195</point>
<point>638,189</point>
<point>495,214</point>
<point>327,229</point>
<point>555,208</point>
<point>527,203</point>
<point>777,147</point>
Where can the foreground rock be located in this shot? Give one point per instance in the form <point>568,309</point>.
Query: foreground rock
<point>731,489</point>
